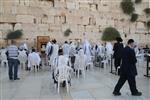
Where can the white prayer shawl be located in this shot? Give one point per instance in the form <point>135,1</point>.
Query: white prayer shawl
<point>22,56</point>
<point>33,59</point>
<point>48,47</point>
<point>109,48</point>
<point>87,50</point>
<point>54,54</point>
<point>80,56</point>
<point>136,49</point>
<point>99,49</point>
<point>72,50</point>
<point>66,48</point>
<point>63,61</point>
<point>25,46</point>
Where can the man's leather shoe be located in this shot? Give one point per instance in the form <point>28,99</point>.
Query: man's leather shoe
<point>116,93</point>
<point>137,94</point>
<point>17,79</point>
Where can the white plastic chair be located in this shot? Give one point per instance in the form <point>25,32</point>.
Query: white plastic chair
<point>80,64</point>
<point>63,70</point>
<point>90,62</point>
<point>22,58</point>
<point>63,75</point>
<point>4,58</point>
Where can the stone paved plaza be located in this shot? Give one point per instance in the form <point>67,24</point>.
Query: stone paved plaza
<point>97,85</point>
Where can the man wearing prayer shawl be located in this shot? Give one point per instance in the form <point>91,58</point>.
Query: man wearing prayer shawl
<point>66,48</point>
<point>34,59</point>
<point>54,54</point>
<point>48,47</point>
<point>72,52</point>
<point>87,50</point>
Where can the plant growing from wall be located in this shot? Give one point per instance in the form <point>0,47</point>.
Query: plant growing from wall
<point>127,6</point>
<point>14,34</point>
<point>110,34</point>
<point>138,1</point>
<point>147,10</point>
<point>67,32</point>
<point>134,17</point>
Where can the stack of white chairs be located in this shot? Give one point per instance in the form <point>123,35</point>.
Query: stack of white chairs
<point>22,58</point>
<point>80,63</point>
<point>63,72</point>
<point>140,58</point>
<point>4,58</point>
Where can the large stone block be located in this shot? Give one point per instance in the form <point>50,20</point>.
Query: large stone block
<point>85,20</point>
<point>71,5</point>
<point>25,18</point>
<point>54,28</point>
<point>84,6</point>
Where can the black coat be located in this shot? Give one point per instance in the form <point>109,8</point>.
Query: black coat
<point>118,47</point>
<point>128,66</point>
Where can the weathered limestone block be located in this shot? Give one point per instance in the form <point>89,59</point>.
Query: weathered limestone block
<point>101,21</point>
<point>71,5</point>
<point>30,27</point>
<point>85,20</point>
<point>43,27</point>
<point>46,4</point>
<point>74,19</point>
<point>140,28</point>
<point>6,27</point>
<point>55,28</point>
<point>59,4</point>
<point>74,28</point>
<point>18,26</point>
<point>93,7</point>
<point>64,27</point>
<point>89,28</point>
<point>22,10</point>
<point>25,18</point>
<point>81,28</point>
<point>50,20</point>
<point>84,6</point>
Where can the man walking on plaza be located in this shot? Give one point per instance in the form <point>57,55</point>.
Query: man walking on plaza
<point>12,56</point>
<point>128,70</point>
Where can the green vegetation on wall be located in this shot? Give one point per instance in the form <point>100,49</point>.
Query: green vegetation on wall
<point>110,34</point>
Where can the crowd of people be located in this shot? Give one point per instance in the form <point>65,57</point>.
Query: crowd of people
<point>74,53</point>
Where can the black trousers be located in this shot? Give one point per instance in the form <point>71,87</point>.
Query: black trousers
<point>72,61</point>
<point>131,82</point>
<point>117,62</point>
<point>13,68</point>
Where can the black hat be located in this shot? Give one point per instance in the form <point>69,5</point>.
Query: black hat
<point>119,39</point>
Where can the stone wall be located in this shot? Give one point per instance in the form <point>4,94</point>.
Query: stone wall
<point>48,18</point>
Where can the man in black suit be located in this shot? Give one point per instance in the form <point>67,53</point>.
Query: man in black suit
<point>128,70</point>
<point>118,47</point>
